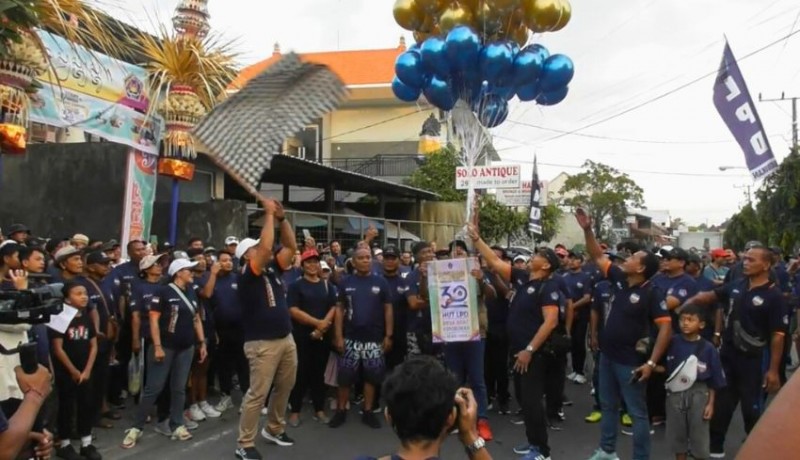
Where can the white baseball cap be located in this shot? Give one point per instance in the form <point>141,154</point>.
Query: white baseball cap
<point>149,261</point>
<point>180,264</point>
<point>231,240</point>
<point>245,246</point>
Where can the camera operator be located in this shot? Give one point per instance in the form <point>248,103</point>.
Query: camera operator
<point>15,433</point>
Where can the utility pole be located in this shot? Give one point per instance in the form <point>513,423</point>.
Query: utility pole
<point>783,98</point>
<point>747,191</point>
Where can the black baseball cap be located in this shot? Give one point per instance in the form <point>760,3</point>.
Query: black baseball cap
<point>17,228</point>
<point>551,256</point>
<point>676,253</point>
<point>391,251</point>
<point>97,257</point>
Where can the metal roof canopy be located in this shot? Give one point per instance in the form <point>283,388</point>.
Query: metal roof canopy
<point>289,170</point>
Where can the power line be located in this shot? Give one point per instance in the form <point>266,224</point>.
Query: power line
<point>634,171</point>
<point>665,94</point>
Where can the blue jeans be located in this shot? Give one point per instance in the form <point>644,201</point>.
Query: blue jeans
<point>615,381</point>
<point>465,360</point>
<point>176,366</point>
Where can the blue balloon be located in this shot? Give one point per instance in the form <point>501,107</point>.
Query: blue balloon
<point>553,97</point>
<point>528,65</point>
<point>439,93</point>
<point>529,92</point>
<point>463,47</point>
<point>408,68</point>
<point>434,57</point>
<point>494,111</point>
<point>506,92</point>
<point>404,92</point>
<point>557,73</point>
<point>495,61</point>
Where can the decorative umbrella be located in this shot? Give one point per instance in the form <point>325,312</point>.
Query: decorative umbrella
<point>245,131</point>
<point>191,69</point>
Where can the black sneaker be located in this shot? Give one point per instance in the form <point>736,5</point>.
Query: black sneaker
<point>502,408</point>
<point>247,453</point>
<point>338,419</point>
<point>90,453</point>
<point>555,424</point>
<point>370,420</point>
<point>68,453</point>
<point>566,402</point>
<point>282,439</point>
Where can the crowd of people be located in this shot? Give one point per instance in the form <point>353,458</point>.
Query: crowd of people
<point>676,338</point>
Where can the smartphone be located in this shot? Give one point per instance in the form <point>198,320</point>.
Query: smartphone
<point>306,233</point>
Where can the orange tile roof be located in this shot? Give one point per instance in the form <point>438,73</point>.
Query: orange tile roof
<point>356,67</point>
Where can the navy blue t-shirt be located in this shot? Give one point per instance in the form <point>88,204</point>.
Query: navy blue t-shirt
<point>265,315</point>
<point>315,299</point>
<point>123,278</point>
<point>103,301</point>
<point>143,293</point>
<point>176,322</point>
<point>579,284</point>
<point>761,310</point>
<point>706,285</point>
<point>709,366</point>
<point>591,269</point>
<point>525,313</point>
<point>632,312</point>
<point>497,313</point>
<point>398,287</point>
<point>225,301</point>
<point>418,321</point>
<point>682,287</point>
<point>601,301</point>
<point>290,276</point>
<point>364,299</point>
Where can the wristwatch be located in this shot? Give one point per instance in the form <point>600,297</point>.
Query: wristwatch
<point>473,448</point>
<point>651,363</point>
<point>529,349</point>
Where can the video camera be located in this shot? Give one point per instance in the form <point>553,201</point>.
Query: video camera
<point>31,306</point>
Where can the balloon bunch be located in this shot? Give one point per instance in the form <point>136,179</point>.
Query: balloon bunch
<point>477,51</point>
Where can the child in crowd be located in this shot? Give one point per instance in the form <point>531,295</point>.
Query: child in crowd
<point>695,371</point>
<point>74,351</point>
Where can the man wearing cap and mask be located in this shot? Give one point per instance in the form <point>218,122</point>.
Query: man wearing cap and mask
<point>636,306</point>
<point>419,339</point>
<point>756,324</point>
<point>677,287</point>
<point>266,323</point>
<point>533,316</point>
<point>98,266</point>
<point>392,272</point>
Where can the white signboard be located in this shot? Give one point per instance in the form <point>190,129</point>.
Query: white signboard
<point>485,177</point>
<point>515,197</point>
<point>454,300</point>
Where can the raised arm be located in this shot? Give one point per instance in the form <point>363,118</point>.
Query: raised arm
<point>263,252</point>
<point>499,266</point>
<point>288,239</point>
<point>592,246</point>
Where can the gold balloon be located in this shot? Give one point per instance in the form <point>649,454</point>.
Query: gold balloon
<point>505,6</point>
<point>488,21</point>
<point>427,25</point>
<point>520,35</point>
<point>542,15</point>
<point>407,14</point>
<point>433,6</point>
<point>420,37</point>
<point>455,16</point>
<point>471,4</point>
<point>566,15</point>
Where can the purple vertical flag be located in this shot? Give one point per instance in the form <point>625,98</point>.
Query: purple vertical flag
<point>735,106</point>
<point>535,216</point>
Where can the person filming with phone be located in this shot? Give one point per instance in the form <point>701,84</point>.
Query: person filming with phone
<point>628,352</point>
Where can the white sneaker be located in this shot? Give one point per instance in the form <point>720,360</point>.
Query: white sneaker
<point>208,410</point>
<point>224,404</point>
<point>264,410</point>
<point>196,414</point>
<point>571,376</point>
<point>717,454</point>
<point>579,379</point>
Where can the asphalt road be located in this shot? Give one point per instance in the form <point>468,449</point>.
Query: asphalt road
<point>216,439</point>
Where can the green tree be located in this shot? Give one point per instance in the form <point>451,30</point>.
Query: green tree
<point>744,226</point>
<point>778,209</point>
<point>605,192</point>
<point>499,222</point>
<point>438,175</point>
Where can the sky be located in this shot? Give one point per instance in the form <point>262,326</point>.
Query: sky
<point>633,59</point>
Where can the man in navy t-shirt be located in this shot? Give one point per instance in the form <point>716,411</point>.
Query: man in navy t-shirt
<point>636,307</point>
<point>579,286</point>
<point>755,327</point>
<point>363,334</point>
<point>268,342</point>
<point>419,339</point>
